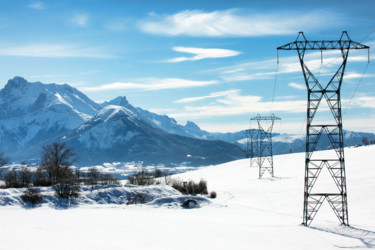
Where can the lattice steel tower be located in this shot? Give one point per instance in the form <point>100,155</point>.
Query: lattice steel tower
<point>264,144</point>
<point>251,146</point>
<point>331,93</point>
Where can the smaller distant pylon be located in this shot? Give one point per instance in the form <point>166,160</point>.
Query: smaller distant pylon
<point>264,143</point>
<point>251,146</point>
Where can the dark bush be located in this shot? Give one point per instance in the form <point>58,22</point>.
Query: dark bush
<point>158,173</point>
<point>42,182</point>
<point>108,179</point>
<point>213,194</point>
<point>138,198</point>
<point>32,195</point>
<point>190,187</point>
<point>11,179</point>
<point>67,190</point>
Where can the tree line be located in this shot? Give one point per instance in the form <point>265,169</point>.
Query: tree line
<point>54,170</point>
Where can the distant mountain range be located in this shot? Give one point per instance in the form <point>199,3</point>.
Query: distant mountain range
<point>35,114</point>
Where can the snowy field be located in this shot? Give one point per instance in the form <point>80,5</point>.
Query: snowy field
<point>247,214</point>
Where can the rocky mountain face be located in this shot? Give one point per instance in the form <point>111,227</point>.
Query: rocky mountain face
<point>35,114</point>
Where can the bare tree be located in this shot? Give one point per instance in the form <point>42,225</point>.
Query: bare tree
<point>25,176</point>
<point>57,159</point>
<point>93,176</point>
<point>11,179</point>
<point>3,161</point>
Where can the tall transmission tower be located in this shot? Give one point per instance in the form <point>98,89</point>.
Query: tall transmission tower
<point>251,146</point>
<point>264,143</point>
<point>331,93</point>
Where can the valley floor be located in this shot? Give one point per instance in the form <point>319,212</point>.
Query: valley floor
<point>248,213</point>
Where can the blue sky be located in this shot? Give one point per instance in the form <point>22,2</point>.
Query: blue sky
<point>211,62</point>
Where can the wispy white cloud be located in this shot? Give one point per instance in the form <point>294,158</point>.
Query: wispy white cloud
<point>80,19</point>
<point>202,53</point>
<point>354,75</point>
<point>297,86</point>
<point>231,103</point>
<point>211,95</point>
<point>118,25</point>
<point>53,51</point>
<point>37,5</point>
<point>234,22</point>
<point>362,100</point>
<point>266,69</point>
<point>151,84</point>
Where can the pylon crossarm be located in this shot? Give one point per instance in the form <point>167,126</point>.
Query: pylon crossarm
<point>323,45</point>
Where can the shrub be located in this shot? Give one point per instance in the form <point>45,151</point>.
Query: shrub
<point>213,194</point>
<point>11,179</point>
<point>190,187</point>
<point>108,179</point>
<point>67,190</point>
<point>141,178</point>
<point>138,198</point>
<point>32,195</point>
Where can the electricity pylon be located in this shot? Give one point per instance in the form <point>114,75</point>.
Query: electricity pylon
<point>330,92</point>
<point>264,144</point>
<point>251,146</point>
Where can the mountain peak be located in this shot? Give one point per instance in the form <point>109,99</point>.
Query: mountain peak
<point>191,125</point>
<point>112,111</point>
<point>118,101</point>
<point>16,83</point>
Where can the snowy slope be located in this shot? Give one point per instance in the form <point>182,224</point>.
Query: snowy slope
<point>116,133</point>
<point>247,214</point>
<point>162,122</point>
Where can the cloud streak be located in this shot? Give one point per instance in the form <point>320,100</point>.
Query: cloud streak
<point>53,51</point>
<point>81,19</point>
<point>230,103</point>
<point>202,53</point>
<point>151,84</point>
<point>234,22</point>
<point>297,86</point>
<point>37,6</point>
<point>266,69</point>
<point>212,95</point>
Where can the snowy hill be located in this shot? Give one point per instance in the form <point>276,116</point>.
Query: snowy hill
<point>248,213</point>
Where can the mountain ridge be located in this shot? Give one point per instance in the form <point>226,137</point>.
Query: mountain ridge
<point>35,114</point>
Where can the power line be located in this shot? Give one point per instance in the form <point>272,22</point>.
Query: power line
<point>274,86</point>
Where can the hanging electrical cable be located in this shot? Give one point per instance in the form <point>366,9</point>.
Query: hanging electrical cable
<point>355,90</point>
<point>274,86</point>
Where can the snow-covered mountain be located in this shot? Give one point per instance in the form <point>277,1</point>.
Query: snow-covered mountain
<point>162,122</point>
<point>34,112</point>
<point>117,133</point>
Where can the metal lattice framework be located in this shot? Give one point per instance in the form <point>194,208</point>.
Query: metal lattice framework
<point>251,146</point>
<point>264,144</point>
<point>331,94</point>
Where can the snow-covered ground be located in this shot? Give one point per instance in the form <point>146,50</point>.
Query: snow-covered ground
<point>248,213</point>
